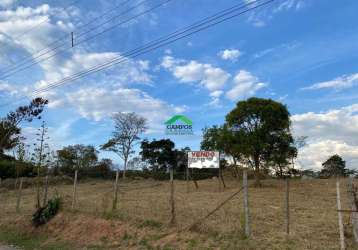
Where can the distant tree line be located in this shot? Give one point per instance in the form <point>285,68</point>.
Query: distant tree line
<point>256,134</point>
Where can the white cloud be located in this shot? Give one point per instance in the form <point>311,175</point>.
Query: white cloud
<point>274,51</point>
<point>168,62</point>
<point>97,103</point>
<point>216,93</point>
<point>337,124</point>
<point>342,82</point>
<point>259,17</point>
<point>6,3</point>
<point>215,98</point>
<point>15,23</point>
<point>315,153</point>
<point>245,85</point>
<point>290,4</point>
<point>229,54</point>
<point>130,71</point>
<point>99,95</point>
<point>331,132</point>
<point>212,78</point>
<point>7,88</point>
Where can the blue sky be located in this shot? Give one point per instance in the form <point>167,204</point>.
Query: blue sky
<point>302,53</point>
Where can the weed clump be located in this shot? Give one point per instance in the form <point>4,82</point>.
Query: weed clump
<point>44,214</point>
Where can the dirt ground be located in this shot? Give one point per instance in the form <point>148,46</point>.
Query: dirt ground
<point>141,220</point>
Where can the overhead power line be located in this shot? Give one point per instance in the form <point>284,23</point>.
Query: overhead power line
<point>65,40</point>
<point>35,26</point>
<point>179,34</point>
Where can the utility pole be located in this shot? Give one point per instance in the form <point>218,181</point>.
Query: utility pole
<point>72,40</point>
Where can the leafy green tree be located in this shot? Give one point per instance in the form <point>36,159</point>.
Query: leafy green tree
<point>334,166</point>
<point>102,169</point>
<point>127,129</point>
<point>259,126</point>
<point>77,157</point>
<point>20,151</point>
<point>281,153</point>
<point>181,157</point>
<point>9,125</point>
<point>159,154</point>
<point>224,140</point>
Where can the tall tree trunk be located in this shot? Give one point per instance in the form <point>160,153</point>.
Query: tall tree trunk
<point>125,168</point>
<point>281,170</point>
<point>235,168</point>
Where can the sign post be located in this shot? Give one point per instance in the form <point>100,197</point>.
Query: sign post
<point>187,179</point>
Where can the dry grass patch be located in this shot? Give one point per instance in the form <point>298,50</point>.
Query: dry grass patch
<point>142,218</point>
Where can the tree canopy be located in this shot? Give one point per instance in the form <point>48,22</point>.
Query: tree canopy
<point>77,156</point>
<point>262,129</point>
<point>334,166</point>
<point>9,125</point>
<point>161,154</point>
<point>222,139</point>
<point>128,127</point>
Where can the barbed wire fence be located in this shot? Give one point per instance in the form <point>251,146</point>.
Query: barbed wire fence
<point>119,191</point>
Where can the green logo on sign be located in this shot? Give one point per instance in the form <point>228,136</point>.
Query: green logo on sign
<point>176,118</point>
<point>179,125</point>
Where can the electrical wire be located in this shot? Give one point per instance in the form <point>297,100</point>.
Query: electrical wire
<point>18,68</point>
<point>201,25</point>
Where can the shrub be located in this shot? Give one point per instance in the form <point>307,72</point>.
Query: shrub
<point>11,169</point>
<point>44,214</point>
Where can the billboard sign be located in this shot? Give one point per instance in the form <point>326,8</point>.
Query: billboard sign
<point>203,159</point>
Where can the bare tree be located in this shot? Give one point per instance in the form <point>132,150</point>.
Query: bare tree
<point>128,127</point>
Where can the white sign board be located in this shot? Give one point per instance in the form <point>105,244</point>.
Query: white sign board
<point>203,159</point>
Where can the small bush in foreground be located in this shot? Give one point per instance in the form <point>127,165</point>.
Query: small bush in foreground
<point>44,214</point>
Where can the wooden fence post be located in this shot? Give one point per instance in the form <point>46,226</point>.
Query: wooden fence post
<point>115,197</point>
<point>353,201</point>
<point>74,191</point>
<point>187,178</point>
<point>340,218</point>
<point>287,205</point>
<point>19,196</point>
<point>172,199</point>
<point>222,179</point>
<point>45,190</point>
<point>246,205</point>
<point>219,179</point>
<point>193,178</point>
